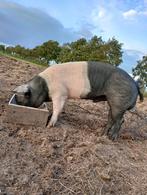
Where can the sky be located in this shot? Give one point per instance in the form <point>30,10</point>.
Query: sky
<point>32,22</point>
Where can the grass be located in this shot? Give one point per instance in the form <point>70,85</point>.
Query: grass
<point>22,59</point>
<point>145,94</point>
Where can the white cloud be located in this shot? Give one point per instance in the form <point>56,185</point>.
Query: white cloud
<point>101,19</point>
<point>98,14</point>
<point>101,13</point>
<point>130,14</point>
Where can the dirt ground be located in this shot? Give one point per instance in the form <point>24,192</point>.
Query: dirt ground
<point>73,157</point>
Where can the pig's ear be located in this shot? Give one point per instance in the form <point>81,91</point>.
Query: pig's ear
<point>22,89</point>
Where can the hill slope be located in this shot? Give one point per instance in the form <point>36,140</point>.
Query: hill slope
<point>71,158</point>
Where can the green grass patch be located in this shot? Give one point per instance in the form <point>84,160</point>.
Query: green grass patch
<point>34,62</point>
<point>145,94</point>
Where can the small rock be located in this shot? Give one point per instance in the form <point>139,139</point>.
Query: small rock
<point>1,128</point>
<point>69,158</point>
<point>105,176</point>
<point>24,179</point>
<point>56,172</point>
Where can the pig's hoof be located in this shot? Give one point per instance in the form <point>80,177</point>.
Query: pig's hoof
<point>113,136</point>
<point>51,124</point>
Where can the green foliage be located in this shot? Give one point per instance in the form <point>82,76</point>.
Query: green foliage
<point>47,52</point>
<point>141,70</point>
<point>145,94</point>
<point>94,49</point>
<point>113,51</point>
<point>9,50</point>
<point>65,54</point>
<point>2,48</point>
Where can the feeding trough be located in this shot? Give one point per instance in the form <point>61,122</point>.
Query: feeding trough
<point>19,114</point>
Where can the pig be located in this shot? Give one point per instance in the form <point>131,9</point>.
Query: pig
<point>82,80</point>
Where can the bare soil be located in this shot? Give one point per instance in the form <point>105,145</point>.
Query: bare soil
<point>73,157</point>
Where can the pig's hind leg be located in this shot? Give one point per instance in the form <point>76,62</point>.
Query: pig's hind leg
<point>113,132</point>
<point>109,124</point>
<point>115,118</point>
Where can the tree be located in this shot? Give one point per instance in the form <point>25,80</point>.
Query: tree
<point>19,50</point>
<point>38,53</point>
<point>93,50</point>
<point>49,50</point>
<point>113,51</point>
<point>9,50</point>
<point>96,49</point>
<point>141,70</point>
<point>65,54</point>
<point>2,48</point>
<point>79,50</point>
<point>74,51</point>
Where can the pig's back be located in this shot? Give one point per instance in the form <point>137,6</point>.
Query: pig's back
<point>70,77</point>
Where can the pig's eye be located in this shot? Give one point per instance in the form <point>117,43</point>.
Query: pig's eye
<point>27,94</point>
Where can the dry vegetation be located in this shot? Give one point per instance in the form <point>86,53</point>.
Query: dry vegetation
<point>71,158</point>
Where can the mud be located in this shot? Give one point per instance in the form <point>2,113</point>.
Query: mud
<point>73,157</point>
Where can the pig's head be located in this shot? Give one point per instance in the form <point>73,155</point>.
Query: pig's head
<point>33,93</point>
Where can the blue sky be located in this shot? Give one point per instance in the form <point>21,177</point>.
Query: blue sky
<point>31,22</point>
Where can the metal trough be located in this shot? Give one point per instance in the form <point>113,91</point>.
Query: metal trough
<point>19,114</point>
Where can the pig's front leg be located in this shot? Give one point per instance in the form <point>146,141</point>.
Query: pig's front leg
<point>58,104</point>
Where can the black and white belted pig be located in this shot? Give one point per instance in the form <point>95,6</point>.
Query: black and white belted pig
<point>85,80</point>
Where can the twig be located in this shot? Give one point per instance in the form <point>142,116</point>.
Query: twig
<point>82,108</point>
<point>101,189</point>
<point>66,187</point>
<point>136,113</point>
